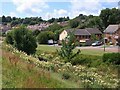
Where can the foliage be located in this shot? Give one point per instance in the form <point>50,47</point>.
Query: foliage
<point>36,32</point>
<point>95,22</point>
<point>68,45</point>
<point>22,39</point>
<point>102,77</point>
<point>94,37</point>
<point>9,38</point>
<point>110,16</point>
<point>54,27</point>
<point>113,58</point>
<point>43,37</point>
<point>66,75</point>
<point>88,60</point>
<point>61,19</point>
<point>73,23</point>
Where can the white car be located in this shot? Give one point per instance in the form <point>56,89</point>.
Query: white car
<point>97,43</point>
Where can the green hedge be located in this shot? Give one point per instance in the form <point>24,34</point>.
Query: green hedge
<point>113,58</point>
<point>89,60</point>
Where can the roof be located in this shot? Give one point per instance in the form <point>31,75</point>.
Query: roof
<point>93,30</point>
<point>87,31</point>
<point>111,29</point>
<point>81,32</point>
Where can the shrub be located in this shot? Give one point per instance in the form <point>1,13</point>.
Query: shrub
<point>9,37</point>
<point>68,45</point>
<point>113,58</point>
<point>66,75</point>
<point>22,39</point>
<point>89,60</point>
<point>43,37</point>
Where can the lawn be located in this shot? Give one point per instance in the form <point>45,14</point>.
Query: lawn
<point>48,48</point>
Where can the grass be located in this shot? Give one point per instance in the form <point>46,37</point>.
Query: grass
<point>48,48</point>
<point>25,75</point>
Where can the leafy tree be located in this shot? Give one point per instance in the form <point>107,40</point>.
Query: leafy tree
<point>36,32</point>
<point>95,22</point>
<point>94,37</point>
<point>22,39</point>
<point>54,27</point>
<point>15,22</point>
<point>68,45</point>
<point>3,18</point>
<point>9,38</point>
<point>74,23</point>
<point>8,19</point>
<point>33,23</point>
<point>51,20</point>
<point>110,16</point>
<point>43,37</point>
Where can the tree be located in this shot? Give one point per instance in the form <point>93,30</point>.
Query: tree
<point>8,19</point>
<point>3,19</point>
<point>15,22</point>
<point>54,27</point>
<point>110,16</point>
<point>43,37</point>
<point>68,45</point>
<point>74,23</point>
<point>9,37</point>
<point>23,40</point>
<point>36,32</point>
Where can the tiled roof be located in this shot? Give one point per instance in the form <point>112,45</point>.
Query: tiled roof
<point>111,28</point>
<point>87,31</point>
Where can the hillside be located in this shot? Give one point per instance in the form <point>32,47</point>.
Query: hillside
<point>23,71</point>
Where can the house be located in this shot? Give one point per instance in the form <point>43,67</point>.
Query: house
<point>112,33</point>
<point>64,23</point>
<point>81,34</point>
<point>40,26</point>
<point>5,28</point>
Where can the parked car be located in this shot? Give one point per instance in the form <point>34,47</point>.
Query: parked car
<point>50,42</point>
<point>97,43</point>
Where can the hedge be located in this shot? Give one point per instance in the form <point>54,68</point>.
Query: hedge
<point>113,58</point>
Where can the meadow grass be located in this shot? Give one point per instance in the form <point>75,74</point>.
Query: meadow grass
<point>24,76</point>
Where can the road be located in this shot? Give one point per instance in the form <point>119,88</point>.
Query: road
<point>107,49</point>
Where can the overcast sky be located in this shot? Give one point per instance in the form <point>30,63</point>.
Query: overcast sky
<point>54,8</point>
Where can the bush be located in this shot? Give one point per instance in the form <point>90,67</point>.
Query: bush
<point>43,37</point>
<point>113,58</point>
<point>22,39</point>
<point>66,75</point>
<point>89,60</point>
<point>9,38</point>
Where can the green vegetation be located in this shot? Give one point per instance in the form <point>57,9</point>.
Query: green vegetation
<point>26,75</point>
<point>113,58</point>
<point>110,16</point>
<point>43,37</point>
<point>68,45</point>
<point>48,48</point>
<point>32,73</point>
<point>22,39</point>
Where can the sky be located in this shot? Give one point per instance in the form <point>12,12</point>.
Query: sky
<point>54,8</point>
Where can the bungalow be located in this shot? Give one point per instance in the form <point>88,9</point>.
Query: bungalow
<point>82,34</point>
<point>112,33</point>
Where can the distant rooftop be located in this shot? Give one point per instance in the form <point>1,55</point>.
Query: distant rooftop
<point>86,31</point>
<point>111,28</point>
